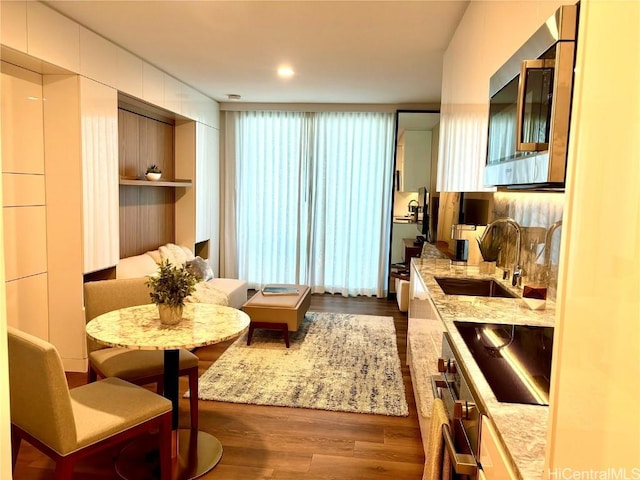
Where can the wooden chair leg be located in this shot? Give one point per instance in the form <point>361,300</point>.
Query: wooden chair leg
<point>15,446</point>
<point>166,463</point>
<point>64,468</point>
<point>193,397</point>
<point>92,376</point>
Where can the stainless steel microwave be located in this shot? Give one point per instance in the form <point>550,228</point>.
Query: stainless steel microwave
<point>530,108</point>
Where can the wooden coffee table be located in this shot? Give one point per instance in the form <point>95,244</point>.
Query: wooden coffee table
<point>278,312</point>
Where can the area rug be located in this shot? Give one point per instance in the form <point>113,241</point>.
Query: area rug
<point>337,362</point>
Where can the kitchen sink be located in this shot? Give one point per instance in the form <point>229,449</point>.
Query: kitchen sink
<point>478,287</point>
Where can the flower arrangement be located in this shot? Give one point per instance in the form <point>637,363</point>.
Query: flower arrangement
<point>153,168</point>
<point>169,287</point>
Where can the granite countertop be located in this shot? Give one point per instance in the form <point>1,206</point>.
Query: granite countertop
<point>523,428</point>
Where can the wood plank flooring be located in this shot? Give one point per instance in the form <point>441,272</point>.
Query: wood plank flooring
<point>262,442</point>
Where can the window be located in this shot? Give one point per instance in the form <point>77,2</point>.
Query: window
<point>313,199</point>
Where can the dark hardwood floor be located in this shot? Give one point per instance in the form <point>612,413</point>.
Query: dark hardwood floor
<point>287,443</point>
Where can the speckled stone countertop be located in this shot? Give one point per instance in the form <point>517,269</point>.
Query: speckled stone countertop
<point>523,428</point>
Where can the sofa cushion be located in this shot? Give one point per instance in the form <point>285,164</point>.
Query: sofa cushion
<point>200,268</point>
<point>137,266</point>
<point>175,254</point>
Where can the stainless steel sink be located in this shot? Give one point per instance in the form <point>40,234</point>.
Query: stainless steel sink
<point>478,287</point>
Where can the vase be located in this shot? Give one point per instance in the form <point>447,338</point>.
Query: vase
<point>154,177</point>
<point>488,268</point>
<point>169,314</point>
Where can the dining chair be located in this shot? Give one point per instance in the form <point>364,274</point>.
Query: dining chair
<point>136,366</point>
<point>70,424</point>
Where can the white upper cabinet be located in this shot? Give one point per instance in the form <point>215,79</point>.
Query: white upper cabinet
<point>98,57</point>
<point>152,85</point>
<point>53,37</point>
<point>488,34</point>
<point>130,70</point>
<point>13,25</point>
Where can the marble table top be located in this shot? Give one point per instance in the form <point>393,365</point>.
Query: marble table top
<point>139,327</point>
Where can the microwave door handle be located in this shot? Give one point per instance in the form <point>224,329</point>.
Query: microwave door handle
<point>463,464</point>
<point>525,66</point>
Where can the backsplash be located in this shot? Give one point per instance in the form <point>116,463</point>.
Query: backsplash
<point>540,216</point>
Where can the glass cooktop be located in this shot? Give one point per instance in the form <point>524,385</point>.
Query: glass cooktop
<point>514,359</point>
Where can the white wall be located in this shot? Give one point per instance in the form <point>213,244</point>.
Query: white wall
<point>594,418</point>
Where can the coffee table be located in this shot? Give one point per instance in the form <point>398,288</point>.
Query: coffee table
<point>278,312</point>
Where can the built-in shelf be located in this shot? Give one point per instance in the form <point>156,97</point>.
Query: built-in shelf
<point>143,182</point>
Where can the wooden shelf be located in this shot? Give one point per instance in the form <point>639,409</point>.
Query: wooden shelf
<point>143,182</point>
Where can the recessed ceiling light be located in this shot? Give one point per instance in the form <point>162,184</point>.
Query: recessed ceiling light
<point>233,96</point>
<point>285,72</point>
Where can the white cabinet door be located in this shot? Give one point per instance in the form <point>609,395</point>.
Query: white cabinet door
<point>98,58</point>
<point>100,202</point>
<point>13,29</point>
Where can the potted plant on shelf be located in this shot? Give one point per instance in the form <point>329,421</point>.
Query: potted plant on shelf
<point>153,172</point>
<point>169,287</point>
<point>489,246</point>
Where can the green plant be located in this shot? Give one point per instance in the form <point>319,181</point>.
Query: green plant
<point>489,247</point>
<point>153,169</point>
<point>171,285</point>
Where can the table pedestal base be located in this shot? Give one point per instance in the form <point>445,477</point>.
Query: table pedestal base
<point>198,452</point>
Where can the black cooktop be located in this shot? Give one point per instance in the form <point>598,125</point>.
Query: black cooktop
<point>515,359</point>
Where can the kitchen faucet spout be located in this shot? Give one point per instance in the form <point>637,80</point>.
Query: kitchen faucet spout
<point>517,269</point>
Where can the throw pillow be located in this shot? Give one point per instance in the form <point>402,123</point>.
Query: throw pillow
<point>200,268</point>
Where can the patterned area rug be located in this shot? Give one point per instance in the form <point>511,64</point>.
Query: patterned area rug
<point>338,362</point>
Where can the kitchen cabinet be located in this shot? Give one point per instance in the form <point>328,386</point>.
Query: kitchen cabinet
<point>595,427</point>
<point>488,34</point>
<point>493,457</point>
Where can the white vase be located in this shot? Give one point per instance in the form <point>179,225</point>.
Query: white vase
<point>153,176</point>
<point>169,315</point>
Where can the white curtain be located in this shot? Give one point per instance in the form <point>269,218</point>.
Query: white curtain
<point>312,199</point>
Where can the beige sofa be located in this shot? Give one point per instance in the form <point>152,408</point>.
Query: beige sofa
<point>147,264</point>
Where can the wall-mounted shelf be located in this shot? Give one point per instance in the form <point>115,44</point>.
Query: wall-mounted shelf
<point>143,182</point>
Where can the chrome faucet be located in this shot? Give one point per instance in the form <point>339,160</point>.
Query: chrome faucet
<point>517,268</point>
<point>547,242</point>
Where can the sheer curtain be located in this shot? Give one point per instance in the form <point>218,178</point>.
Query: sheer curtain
<point>352,178</point>
<point>312,199</point>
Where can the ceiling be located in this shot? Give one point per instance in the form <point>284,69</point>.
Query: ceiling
<point>387,52</point>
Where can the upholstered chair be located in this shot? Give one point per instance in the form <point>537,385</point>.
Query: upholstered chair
<point>70,424</point>
<point>136,366</point>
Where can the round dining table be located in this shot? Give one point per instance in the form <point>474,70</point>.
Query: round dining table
<point>138,327</point>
